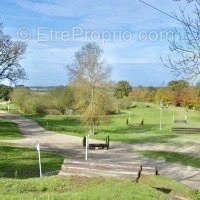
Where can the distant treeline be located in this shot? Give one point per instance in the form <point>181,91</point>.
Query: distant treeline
<point>62,100</point>
<point>178,93</point>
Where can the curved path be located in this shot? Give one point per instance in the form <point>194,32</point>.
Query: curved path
<point>71,147</point>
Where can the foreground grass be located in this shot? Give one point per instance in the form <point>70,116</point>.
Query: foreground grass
<point>9,130</point>
<point>82,188</point>
<point>173,157</point>
<point>118,130</point>
<point>23,162</point>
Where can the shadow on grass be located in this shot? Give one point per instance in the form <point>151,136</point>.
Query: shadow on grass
<point>129,129</point>
<point>61,123</point>
<point>144,139</point>
<point>23,162</point>
<point>9,130</point>
<point>173,157</point>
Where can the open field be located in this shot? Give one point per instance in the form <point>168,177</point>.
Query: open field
<point>118,130</point>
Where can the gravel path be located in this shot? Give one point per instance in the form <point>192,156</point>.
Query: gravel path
<point>71,147</point>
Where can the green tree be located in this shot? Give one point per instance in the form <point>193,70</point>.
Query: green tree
<point>122,89</point>
<point>178,85</point>
<point>88,78</point>
<point>5,92</point>
<point>61,99</point>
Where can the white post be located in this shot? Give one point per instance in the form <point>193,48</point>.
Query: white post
<point>161,115</point>
<point>86,149</point>
<point>40,167</point>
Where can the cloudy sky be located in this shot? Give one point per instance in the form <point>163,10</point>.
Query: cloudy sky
<point>132,35</point>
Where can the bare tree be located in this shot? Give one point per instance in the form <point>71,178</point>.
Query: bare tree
<point>184,57</point>
<point>10,54</point>
<point>88,75</point>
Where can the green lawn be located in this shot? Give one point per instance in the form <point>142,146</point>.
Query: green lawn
<point>19,166</point>
<point>174,157</point>
<point>9,130</point>
<point>18,162</point>
<point>118,130</point>
<point>82,188</point>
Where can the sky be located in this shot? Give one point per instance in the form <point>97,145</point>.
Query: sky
<point>133,36</point>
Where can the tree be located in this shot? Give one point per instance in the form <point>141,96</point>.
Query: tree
<point>178,85</point>
<point>10,54</point>
<point>189,97</point>
<point>184,57</point>
<point>61,98</point>
<point>122,89</point>
<point>5,92</point>
<point>88,79</point>
<point>164,95</point>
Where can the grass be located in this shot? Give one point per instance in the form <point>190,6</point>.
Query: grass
<point>18,162</point>
<point>19,166</point>
<point>9,130</point>
<point>118,130</point>
<point>173,157</point>
<point>22,163</point>
<point>82,188</point>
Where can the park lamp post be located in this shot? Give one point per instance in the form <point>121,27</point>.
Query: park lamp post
<point>161,107</point>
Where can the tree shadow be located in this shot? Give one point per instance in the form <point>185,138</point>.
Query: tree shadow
<point>130,129</point>
<point>9,130</point>
<point>150,139</point>
<point>174,157</point>
<point>23,162</point>
<point>61,124</point>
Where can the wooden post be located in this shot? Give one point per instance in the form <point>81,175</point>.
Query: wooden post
<point>84,141</point>
<point>127,122</point>
<point>139,174</point>
<point>86,149</point>
<point>108,145</point>
<point>156,171</point>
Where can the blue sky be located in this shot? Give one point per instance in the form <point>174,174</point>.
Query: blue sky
<point>128,31</point>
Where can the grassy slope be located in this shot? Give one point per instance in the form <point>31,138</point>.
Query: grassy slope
<point>119,131</point>
<point>62,188</point>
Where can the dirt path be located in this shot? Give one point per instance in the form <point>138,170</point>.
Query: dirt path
<point>71,147</point>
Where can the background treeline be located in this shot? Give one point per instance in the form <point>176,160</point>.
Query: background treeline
<point>62,100</point>
<point>118,96</point>
<point>178,93</point>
